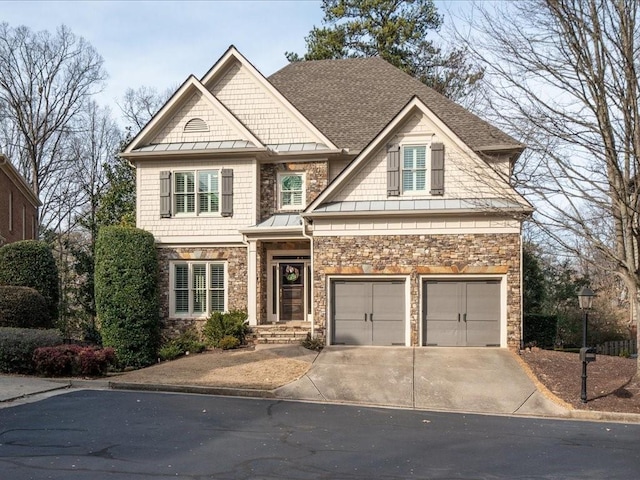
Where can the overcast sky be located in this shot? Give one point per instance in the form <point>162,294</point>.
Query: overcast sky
<point>160,43</point>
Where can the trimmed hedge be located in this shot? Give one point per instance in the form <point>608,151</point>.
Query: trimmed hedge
<point>126,287</point>
<point>30,263</point>
<point>72,360</point>
<point>17,346</point>
<point>23,307</point>
<point>540,330</point>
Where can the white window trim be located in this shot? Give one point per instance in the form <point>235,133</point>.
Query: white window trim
<point>427,170</point>
<point>197,199</point>
<point>294,208</point>
<point>190,264</point>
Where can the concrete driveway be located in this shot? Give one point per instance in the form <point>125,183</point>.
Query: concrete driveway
<point>485,380</point>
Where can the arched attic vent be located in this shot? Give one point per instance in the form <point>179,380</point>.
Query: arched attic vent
<point>196,125</point>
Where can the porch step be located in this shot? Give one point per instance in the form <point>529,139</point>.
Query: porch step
<point>281,333</point>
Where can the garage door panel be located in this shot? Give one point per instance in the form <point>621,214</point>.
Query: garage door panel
<point>483,301</point>
<point>442,305</point>
<point>368,313</point>
<point>349,312</point>
<point>483,333</point>
<point>461,313</point>
<point>442,333</point>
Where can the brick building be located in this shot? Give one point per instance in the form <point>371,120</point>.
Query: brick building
<point>18,205</point>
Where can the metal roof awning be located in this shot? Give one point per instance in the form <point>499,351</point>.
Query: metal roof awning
<point>280,225</point>
<point>420,206</point>
<point>296,147</point>
<point>188,146</point>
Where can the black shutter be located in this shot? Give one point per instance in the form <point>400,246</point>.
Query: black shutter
<point>393,170</point>
<point>437,169</point>
<point>227,193</point>
<point>165,194</point>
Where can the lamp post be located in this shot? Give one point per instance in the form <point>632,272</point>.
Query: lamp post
<point>585,300</point>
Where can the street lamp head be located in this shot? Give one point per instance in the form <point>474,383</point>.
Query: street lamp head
<point>585,298</point>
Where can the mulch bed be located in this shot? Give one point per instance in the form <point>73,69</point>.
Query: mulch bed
<point>612,384</point>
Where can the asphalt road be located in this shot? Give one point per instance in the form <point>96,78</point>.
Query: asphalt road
<point>128,435</point>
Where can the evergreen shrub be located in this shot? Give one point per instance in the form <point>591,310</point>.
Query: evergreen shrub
<point>220,325</point>
<point>17,346</point>
<point>30,263</point>
<point>23,307</point>
<point>126,287</point>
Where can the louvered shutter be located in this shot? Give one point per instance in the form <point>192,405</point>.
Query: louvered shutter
<point>437,169</point>
<point>226,209</point>
<point>393,171</point>
<point>165,194</point>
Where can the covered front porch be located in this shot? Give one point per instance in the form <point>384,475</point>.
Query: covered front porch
<point>280,280</point>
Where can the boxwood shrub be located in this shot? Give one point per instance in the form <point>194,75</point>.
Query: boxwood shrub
<point>23,307</point>
<point>17,346</point>
<point>126,288</point>
<point>30,263</point>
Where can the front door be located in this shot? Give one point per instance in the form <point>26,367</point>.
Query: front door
<point>291,291</point>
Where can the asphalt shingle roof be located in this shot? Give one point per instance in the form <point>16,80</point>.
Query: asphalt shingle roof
<point>352,100</point>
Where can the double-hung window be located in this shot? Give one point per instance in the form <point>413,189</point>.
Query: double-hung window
<point>291,191</point>
<point>414,169</point>
<point>202,196</point>
<point>198,288</point>
<point>208,194</point>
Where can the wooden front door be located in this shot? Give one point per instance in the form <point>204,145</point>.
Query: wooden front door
<point>291,294</point>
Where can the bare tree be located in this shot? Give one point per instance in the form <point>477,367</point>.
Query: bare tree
<point>139,105</point>
<point>44,80</point>
<point>562,76</point>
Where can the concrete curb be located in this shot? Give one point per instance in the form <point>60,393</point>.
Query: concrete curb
<point>542,388</point>
<point>226,391</point>
<point>63,386</point>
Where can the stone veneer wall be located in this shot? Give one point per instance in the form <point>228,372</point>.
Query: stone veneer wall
<point>415,255</point>
<point>316,181</point>
<point>236,258</point>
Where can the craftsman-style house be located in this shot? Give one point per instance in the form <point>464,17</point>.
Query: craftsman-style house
<point>343,197</point>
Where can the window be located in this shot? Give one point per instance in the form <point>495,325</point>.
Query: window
<point>291,187</point>
<point>208,199</point>
<point>11,211</point>
<point>414,169</point>
<point>198,288</point>
<point>205,200</point>
<point>185,197</point>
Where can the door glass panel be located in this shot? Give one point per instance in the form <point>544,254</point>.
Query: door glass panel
<point>291,291</point>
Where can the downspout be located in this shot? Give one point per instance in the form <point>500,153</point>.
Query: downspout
<point>521,291</point>
<point>310,238</point>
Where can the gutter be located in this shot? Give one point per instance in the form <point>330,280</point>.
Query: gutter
<point>414,213</point>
